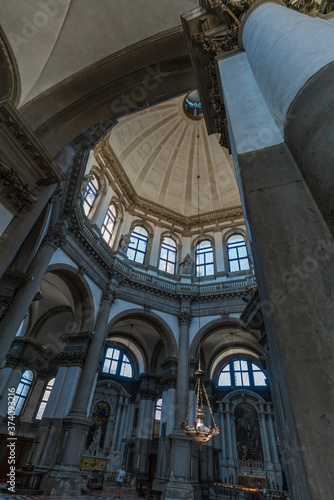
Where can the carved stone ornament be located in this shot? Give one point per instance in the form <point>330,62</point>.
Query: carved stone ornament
<point>124,242</point>
<point>16,195</point>
<point>108,297</point>
<point>184,318</point>
<point>5,304</point>
<point>76,358</point>
<point>55,238</point>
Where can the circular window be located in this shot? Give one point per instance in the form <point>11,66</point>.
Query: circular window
<point>193,105</point>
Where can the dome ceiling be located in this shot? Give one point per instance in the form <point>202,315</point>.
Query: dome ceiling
<point>161,150</point>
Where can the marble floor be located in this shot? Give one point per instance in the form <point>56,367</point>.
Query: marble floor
<point>128,493</point>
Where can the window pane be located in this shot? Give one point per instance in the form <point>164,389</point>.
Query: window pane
<point>259,378</point>
<point>238,381</point>
<point>209,257</point>
<point>244,264</point>
<point>170,268</point>
<point>226,369</point>
<point>209,270</point>
<point>116,354</point>
<point>234,266</point>
<point>224,378</point>
<point>235,238</point>
<point>162,265</point>
<point>106,365</point>
<point>255,367</point>
<point>244,365</point>
<point>19,388</point>
<point>109,352</point>
<point>242,251</point>
<point>41,409</point>
<point>126,370</point>
<point>200,258</point>
<point>199,271</point>
<point>245,378</point>
<point>140,258</point>
<point>163,254</point>
<point>125,358</point>
<point>142,245</point>
<point>28,375</point>
<point>236,365</point>
<point>232,253</point>
<point>172,256</point>
<point>131,254</point>
<point>113,367</point>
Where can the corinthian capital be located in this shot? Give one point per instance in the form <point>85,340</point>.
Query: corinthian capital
<point>55,238</point>
<point>184,318</point>
<point>14,193</point>
<point>108,296</point>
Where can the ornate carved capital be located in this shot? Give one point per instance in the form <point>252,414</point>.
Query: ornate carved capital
<point>5,304</point>
<point>184,318</point>
<point>16,195</point>
<point>55,238</point>
<point>168,382</point>
<point>108,296</point>
<point>76,358</point>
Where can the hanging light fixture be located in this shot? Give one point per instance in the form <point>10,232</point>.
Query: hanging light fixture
<point>199,432</point>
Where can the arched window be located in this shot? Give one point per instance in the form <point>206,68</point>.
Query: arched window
<point>22,390</point>
<point>109,223</point>
<point>237,253</point>
<point>167,261</point>
<point>157,418</point>
<point>242,373</point>
<point>204,258</point>
<point>90,194</point>
<point>138,244</point>
<point>45,399</point>
<point>116,362</point>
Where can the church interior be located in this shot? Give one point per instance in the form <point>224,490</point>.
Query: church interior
<point>166,249</point>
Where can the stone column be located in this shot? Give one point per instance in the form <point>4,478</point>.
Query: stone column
<point>272,437</point>
<point>123,418</point>
<point>182,380</point>
<point>264,438</point>
<point>25,295</point>
<point>229,435</point>
<point>284,168</point>
<point>114,445</point>
<point>66,475</point>
<point>20,226</point>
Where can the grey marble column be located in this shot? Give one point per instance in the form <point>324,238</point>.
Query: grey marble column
<point>272,436</point>
<point>229,435</point>
<point>264,437</point>
<point>121,430</point>
<point>182,381</point>
<point>66,475</point>
<point>114,445</point>
<point>24,297</point>
<point>82,397</point>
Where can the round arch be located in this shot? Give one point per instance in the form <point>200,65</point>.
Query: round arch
<point>156,321</point>
<point>81,292</point>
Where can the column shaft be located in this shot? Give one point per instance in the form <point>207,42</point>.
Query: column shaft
<point>182,382</point>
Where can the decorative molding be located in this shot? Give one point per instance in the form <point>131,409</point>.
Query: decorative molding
<point>46,170</point>
<point>184,318</point>
<point>168,382</point>
<point>108,296</point>
<point>13,192</point>
<point>5,304</point>
<point>55,238</point>
<point>74,358</point>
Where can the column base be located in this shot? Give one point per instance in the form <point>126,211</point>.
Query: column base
<point>63,483</point>
<point>177,489</point>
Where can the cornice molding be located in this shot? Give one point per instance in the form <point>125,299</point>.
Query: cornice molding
<point>136,205</point>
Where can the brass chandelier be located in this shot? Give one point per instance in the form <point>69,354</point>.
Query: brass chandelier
<point>198,431</point>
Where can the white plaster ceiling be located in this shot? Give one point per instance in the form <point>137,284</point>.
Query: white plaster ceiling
<point>161,149</point>
<point>53,39</point>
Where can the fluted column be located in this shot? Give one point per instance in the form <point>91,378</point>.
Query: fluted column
<point>182,381</point>
<point>24,297</point>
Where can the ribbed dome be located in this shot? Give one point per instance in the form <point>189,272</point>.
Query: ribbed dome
<point>161,150</point>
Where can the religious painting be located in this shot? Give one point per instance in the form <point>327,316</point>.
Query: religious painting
<point>96,433</point>
<point>248,434</point>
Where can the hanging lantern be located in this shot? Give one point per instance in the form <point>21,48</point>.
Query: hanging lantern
<point>198,431</point>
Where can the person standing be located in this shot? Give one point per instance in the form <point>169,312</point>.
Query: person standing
<point>119,480</point>
<point>262,490</point>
